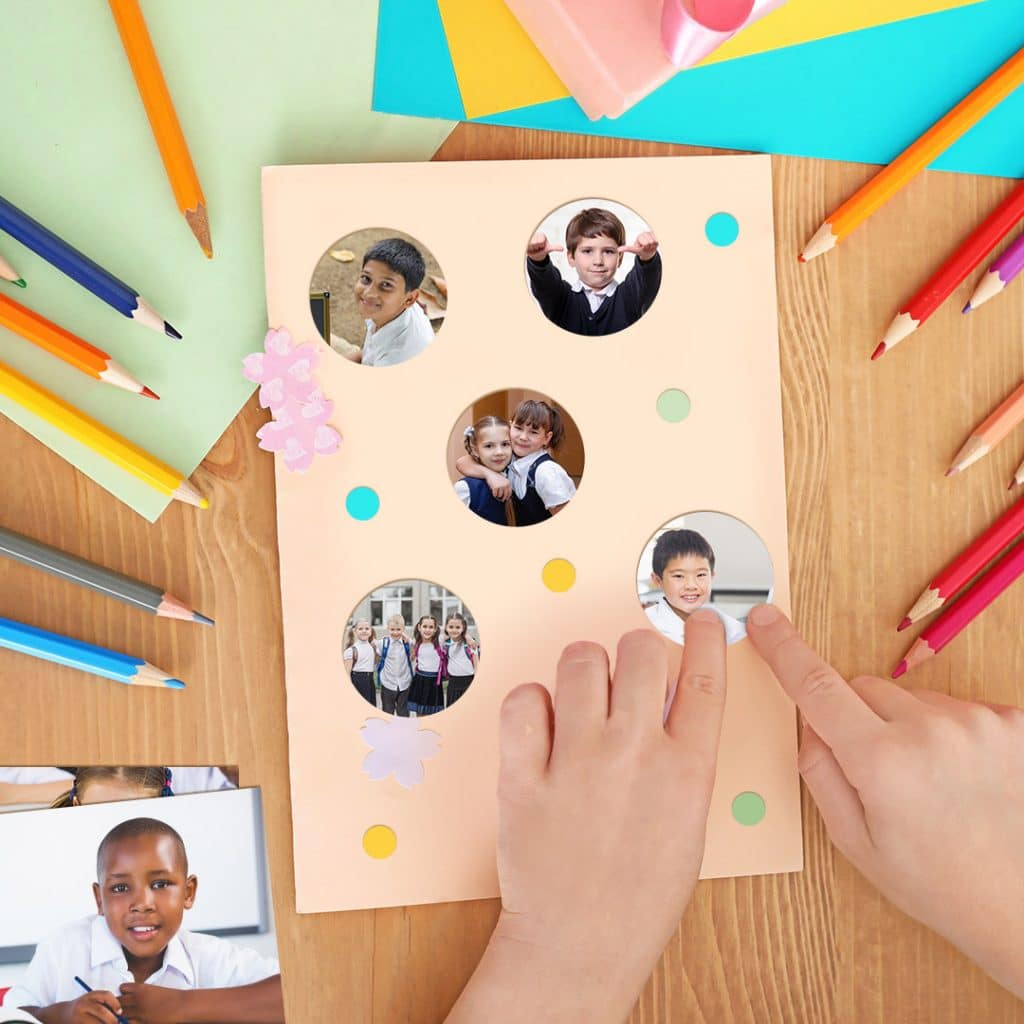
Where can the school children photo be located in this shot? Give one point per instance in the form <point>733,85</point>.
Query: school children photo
<point>703,560</point>
<point>386,297</point>
<point>107,894</point>
<point>593,267</point>
<point>515,458</point>
<point>411,648</point>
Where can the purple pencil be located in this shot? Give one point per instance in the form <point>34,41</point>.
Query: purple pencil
<point>999,275</point>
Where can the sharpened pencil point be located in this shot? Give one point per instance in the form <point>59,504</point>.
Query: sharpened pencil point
<point>175,684</point>
<point>801,258</point>
<point>879,351</point>
<point>903,625</point>
<point>204,503</point>
<point>952,471</point>
<point>205,620</point>
<point>20,282</point>
<point>1013,483</point>
<point>900,669</point>
<point>147,393</point>
<point>966,308</point>
<point>171,332</point>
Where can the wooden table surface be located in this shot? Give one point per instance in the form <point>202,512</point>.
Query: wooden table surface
<point>871,517</point>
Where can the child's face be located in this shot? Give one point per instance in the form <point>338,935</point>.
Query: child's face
<point>362,631</point>
<point>493,447</point>
<point>380,293</point>
<point>526,439</point>
<point>395,629</point>
<point>596,260</point>
<point>686,583</point>
<point>454,629</point>
<point>143,892</point>
<point>428,628</point>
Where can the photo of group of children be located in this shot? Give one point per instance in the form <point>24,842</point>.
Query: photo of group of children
<point>100,936</point>
<point>378,297</point>
<point>411,648</point>
<point>515,458</point>
<point>593,267</point>
<point>703,560</point>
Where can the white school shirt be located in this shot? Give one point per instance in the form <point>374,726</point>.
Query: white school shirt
<point>394,672</point>
<point>428,660</point>
<point>665,620</point>
<point>87,948</point>
<point>361,653</point>
<point>189,779</point>
<point>596,297</point>
<point>399,339</point>
<point>553,484</point>
<point>458,661</point>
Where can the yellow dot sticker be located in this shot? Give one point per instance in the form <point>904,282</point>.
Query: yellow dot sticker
<point>558,575</point>
<point>380,841</point>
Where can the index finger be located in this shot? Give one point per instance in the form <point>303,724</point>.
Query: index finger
<point>833,709</point>
<point>629,248</point>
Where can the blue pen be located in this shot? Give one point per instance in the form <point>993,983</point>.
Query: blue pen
<point>120,1019</point>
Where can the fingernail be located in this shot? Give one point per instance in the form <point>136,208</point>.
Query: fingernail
<point>764,615</point>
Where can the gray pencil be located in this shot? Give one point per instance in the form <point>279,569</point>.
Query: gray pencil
<point>95,577</point>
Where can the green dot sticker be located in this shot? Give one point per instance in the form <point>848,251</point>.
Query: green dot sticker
<point>748,808</point>
<point>673,405</point>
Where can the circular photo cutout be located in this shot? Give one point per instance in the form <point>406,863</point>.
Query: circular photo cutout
<point>411,648</point>
<point>378,297</point>
<point>593,266</point>
<point>515,457</point>
<point>703,560</point>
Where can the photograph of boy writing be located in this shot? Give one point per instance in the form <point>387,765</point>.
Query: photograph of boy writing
<point>387,296</point>
<point>593,267</point>
<point>681,570</point>
<point>515,457</point>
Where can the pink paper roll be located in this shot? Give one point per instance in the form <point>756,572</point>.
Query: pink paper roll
<point>691,29</point>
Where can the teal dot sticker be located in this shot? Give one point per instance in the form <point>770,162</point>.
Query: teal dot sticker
<point>722,229</point>
<point>748,808</point>
<point>362,503</point>
<point>673,405</point>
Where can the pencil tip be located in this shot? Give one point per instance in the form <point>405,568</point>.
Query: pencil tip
<point>1013,483</point>
<point>204,619</point>
<point>952,471</point>
<point>879,351</point>
<point>903,625</point>
<point>171,332</point>
<point>900,669</point>
<point>20,282</point>
<point>175,684</point>
<point>208,251</point>
<point>204,502</point>
<point>801,258</point>
<point>966,308</point>
<point>147,393</point>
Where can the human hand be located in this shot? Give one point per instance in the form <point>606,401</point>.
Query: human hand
<point>923,793</point>
<point>151,1004</point>
<point>500,485</point>
<point>98,1005</point>
<point>645,246</point>
<point>602,813</point>
<point>538,248</point>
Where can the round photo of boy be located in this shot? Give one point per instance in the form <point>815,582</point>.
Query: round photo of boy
<point>593,266</point>
<point>411,648</point>
<point>703,560</point>
<point>378,297</point>
<point>515,457</point>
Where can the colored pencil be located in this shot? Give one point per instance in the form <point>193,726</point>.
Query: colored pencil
<point>996,226</point>
<point>120,1020</point>
<point>96,577</point>
<point>890,180</point>
<point>162,119</point>
<point>964,609</point>
<point>8,273</point>
<point>990,431</point>
<point>999,275</point>
<point>99,661</point>
<point>80,268</point>
<point>1018,477</point>
<point>99,438</point>
<point>1007,528</point>
<point>67,346</point>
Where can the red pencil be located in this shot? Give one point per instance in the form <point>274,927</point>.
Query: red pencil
<point>942,284</point>
<point>1007,528</point>
<point>970,604</point>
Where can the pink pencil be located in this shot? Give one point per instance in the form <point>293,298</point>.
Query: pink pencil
<point>999,275</point>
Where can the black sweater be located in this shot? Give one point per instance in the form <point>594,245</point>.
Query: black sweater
<point>571,309</point>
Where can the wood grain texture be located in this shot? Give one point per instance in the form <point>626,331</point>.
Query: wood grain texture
<point>870,516</point>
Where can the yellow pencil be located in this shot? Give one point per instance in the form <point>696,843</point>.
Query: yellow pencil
<point>100,439</point>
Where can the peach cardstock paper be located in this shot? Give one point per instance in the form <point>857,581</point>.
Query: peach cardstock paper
<point>711,332</point>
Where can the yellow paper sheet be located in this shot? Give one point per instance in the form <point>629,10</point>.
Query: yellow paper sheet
<point>499,68</point>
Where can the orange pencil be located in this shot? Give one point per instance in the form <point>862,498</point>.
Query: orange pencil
<point>67,346</point>
<point>884,185</point>
<point>990,431</point>
<point>162,118</point>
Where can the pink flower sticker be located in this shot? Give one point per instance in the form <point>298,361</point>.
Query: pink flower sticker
<point>283,370</point>
<point>299,431</point>
<point>399,748</point>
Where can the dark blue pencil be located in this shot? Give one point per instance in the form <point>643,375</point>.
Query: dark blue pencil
<point>120,1019</point>
<point>78,266</point>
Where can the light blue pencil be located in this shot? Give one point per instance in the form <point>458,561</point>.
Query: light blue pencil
<point>99,661</point>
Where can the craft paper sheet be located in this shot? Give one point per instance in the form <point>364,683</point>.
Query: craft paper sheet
<point>711,332</point>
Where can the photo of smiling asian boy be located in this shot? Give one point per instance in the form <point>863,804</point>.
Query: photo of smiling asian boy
<point>129,958</point>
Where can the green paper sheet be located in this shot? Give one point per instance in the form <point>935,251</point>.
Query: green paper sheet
<point>255,82</point>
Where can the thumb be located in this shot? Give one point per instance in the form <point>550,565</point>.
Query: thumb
<point>629,248</point>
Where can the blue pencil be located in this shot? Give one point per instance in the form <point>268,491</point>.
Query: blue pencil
<point>120,1019</point>
<point>98,661</point>
<point>78,266</point>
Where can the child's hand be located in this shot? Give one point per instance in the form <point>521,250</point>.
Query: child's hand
<point>94,1006</point>
<point>923,793</point>
<point>539,247</point>
<point>151,1004</point>
<point>500,485</point>
<point>645,246</point>
<point>602,808</point>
